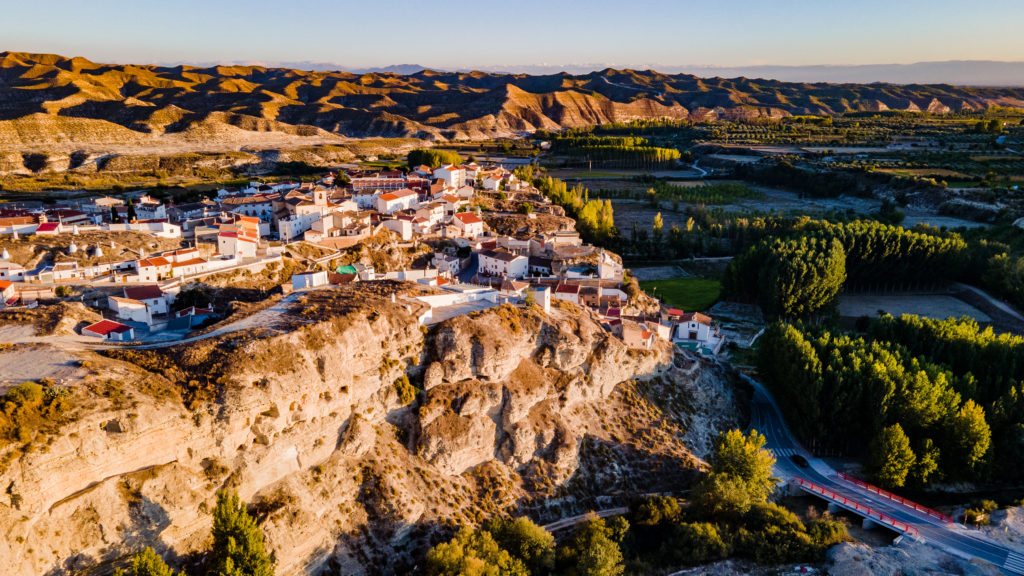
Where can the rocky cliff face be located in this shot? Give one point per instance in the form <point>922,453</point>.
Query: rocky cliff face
<point>305,421</point>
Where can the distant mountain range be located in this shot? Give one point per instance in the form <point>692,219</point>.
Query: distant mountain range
<point>955,72</point>
<point>53,101</point>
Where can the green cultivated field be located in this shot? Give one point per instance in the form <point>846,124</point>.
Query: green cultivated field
<point>688,294</point>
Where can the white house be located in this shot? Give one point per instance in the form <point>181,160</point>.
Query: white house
<point>404,228</point>
<point>638,334</point>
<point>468,225</point>
<point>502,263</point>
<point>608,268</point>
<point>394,201</point>
<point>693,326</point>
<point>309,280</point>
<point>434,213</point>
<point>542,298</point>
<point>567,292</point>
<point>454,176</point>
<point>12,271</point>
<point>153,269</point>
<point>447,264</point>
<point>155,299</point>
<point>150,209</point>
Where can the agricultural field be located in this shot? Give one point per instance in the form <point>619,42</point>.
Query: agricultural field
<point>687,294</point>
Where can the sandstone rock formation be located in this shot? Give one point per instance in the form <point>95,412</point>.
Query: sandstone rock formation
<point>303,419</point>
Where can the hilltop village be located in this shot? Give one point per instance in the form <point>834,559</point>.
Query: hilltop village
<point>468,236</point>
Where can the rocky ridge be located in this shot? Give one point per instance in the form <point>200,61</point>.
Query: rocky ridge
<point>304,420</point>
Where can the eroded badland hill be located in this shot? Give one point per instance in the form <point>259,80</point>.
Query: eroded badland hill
<point>55,104</point>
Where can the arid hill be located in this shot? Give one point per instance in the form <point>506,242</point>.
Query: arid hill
<point>56,102</point>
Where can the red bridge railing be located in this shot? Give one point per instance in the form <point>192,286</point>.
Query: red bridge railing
<point>871,513</point>
<point>895,498</point>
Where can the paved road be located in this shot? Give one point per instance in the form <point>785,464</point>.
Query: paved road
<point>579,519</point>
<point>955,539</point>
<point>997,303</point>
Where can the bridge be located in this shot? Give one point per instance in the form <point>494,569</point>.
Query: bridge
<point>815,476</point>
<point>857,508</point>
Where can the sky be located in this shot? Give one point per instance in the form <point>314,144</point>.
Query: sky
<point>456,34</point>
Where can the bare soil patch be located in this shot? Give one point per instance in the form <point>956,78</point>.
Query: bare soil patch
<point>21,363</point>
<point>937,306</point>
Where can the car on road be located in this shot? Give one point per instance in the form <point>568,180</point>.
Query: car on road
<point>799,460</point>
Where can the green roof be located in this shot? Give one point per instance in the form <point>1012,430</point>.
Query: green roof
<point>348,269</point>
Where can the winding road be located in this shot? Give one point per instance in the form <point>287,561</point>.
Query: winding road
<point>952,538</point>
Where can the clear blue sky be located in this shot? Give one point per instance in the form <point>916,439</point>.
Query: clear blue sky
<point>481,33</point>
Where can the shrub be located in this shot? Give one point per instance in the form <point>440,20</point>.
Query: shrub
<point>406,391</point>
<point>695,543</point>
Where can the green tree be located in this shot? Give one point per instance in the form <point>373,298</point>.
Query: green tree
<point>114,218</point>
<point>745,457</point>
<point>131,210</point>
<point>526,208</point>
<point>238,548</point>
<point>473,553</point>
<point>927,463</point>
<point>655,510</point>
<point>695,543</point>
<point>970,435</point>
<point>433,157</point>
<point>721,495</point>
<point>147,563</point>
<point>526,541</point>
<point>891,457</point>
<point>593,552</point>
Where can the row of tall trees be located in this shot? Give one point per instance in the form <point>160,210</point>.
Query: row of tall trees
<point>841,393</point>
<point>595,219</point>
<point>616,151</point>
<point>798,276</point>
<point>433,157</point>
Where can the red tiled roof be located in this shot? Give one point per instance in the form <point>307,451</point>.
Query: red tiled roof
<point>674,312</point>
<point>104,327</point>
<point>147,292</point>
<point>155,261</point>
<point>696,317</point>
<point>567,289</point>
<point>468,218</point>
<point>47,227</point>
<point>5,284</point>
<point>190,262</point>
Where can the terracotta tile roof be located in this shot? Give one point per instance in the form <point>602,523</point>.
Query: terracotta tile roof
<point>567,288</point>
<point>468,218</point>
<point>155,261</point>
<point>147,292</point>
<point>697,317</point>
